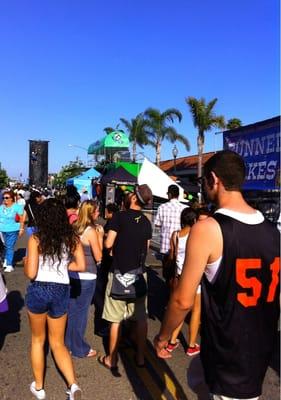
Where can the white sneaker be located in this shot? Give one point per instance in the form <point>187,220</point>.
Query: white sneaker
<point>39,394</point>
<point>9,268</point>
<point>75,392</point>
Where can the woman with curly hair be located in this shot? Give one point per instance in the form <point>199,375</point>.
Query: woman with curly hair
<point>52,250</point>
<point>83,284</point>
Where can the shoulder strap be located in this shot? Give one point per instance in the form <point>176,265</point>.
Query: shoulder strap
<point>31,212</point>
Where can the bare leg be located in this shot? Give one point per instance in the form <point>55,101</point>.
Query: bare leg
<point>195,320</point>
<point>175,334</point>
<point>114,337</point>
<point>38,336</point>
<point>141,334</point>
<point>61,354</point>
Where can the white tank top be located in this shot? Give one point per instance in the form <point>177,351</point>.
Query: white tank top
<point>53,271</point>
<point>181,252</point>
<point>212,269</point>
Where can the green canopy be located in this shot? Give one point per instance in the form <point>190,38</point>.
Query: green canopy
<point>132,168</point>
<point>114,141</point>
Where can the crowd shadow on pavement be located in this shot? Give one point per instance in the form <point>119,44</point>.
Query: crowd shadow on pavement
<point>19,254</point>
<point>158,295</point>
<point>154,381</point>
<point>10,320</point>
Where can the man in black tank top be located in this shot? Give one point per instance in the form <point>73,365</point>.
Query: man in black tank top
<point>236,255</point>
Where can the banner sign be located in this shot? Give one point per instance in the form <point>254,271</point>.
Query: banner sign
<point>260,148</point>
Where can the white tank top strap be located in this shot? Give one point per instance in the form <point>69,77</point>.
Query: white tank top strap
<point>86,230</point>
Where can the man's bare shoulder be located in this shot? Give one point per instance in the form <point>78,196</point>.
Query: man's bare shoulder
<point>207,226</point>
<point>205,230</point>
<point>205,240</point>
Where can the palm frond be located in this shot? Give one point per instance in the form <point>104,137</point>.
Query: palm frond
<point>108,130</point>
<point>171,134</point>
<point>171,114</point>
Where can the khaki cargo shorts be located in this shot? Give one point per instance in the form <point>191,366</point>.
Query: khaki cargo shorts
<point>119,310</point>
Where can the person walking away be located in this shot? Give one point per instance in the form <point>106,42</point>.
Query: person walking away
<point>133,228</point>
<point>83,283</point>
<point>168,219</point>
<point>20,199</point>
<point>177,252</point>
<point>102,326</point>
<point>71,203</point>
<point>31,210</point>
<point>84,196</point>
<point>236,253</point>
<point>52,250</point>
<point>11,227</point>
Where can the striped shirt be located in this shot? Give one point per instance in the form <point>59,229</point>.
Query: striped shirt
<point>168,218</point>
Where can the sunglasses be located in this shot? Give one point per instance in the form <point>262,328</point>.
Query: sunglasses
<point>6,198</point>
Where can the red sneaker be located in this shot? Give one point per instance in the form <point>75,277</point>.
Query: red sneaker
<point>172,346</point>
<point>191,351</point>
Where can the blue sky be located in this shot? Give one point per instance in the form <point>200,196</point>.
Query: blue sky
<point>70,68</point>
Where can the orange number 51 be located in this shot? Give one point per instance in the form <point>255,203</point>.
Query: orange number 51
<point>244,264</point>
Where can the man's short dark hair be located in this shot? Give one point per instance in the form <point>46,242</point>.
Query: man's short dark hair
<point>71,201</point>
<point>229,167</point>
<point>174,191</point>
<point>112,208</point>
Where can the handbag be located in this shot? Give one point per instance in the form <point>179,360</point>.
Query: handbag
<point>17,217</point>
<point>129,286</point>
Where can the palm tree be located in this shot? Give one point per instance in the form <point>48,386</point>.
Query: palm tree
<point>138,134</point>
<point>204,119</point>
<point>160,130</point>
<point>234,123</point>
<point>109,129</point>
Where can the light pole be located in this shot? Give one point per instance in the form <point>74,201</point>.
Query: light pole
<point>80,147</point>
<point>175,153</point>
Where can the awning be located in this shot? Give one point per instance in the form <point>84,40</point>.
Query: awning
<point>157,180</point>
<point>119,176</point>
<point>114,141</point>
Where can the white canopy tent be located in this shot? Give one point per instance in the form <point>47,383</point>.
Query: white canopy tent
<point>157,180</point>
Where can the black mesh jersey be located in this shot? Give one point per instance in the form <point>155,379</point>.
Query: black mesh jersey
<point>240,309</point>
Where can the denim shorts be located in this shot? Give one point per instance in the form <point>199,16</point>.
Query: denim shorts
<point>47,297</point>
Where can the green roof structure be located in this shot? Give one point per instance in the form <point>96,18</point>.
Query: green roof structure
<point>110,144</point>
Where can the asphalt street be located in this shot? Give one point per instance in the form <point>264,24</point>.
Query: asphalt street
<point>177,378</point>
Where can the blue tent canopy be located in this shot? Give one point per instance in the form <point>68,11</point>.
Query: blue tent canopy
<point>83,181</point>
<point>90,174</point>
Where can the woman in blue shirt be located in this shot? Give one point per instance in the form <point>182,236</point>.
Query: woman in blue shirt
<point>11,227</point>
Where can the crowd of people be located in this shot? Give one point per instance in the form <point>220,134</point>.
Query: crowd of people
<point>225,262</point>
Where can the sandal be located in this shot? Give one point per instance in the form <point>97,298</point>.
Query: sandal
<point>92,353</point>
<point>113,370</point>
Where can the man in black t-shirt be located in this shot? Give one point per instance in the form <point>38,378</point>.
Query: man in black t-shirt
<point>128,236</point>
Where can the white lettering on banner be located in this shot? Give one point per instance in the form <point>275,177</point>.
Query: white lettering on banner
<point>270,144</point>
<point>257,146</point>
<point>271,169</point>
<point>278,143</point>
<point>262,170</point>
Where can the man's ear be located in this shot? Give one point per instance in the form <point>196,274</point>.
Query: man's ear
<point>214,178</point>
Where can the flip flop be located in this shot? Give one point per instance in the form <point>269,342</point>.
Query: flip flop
<point>113,370</point>
<point>92,353</point>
